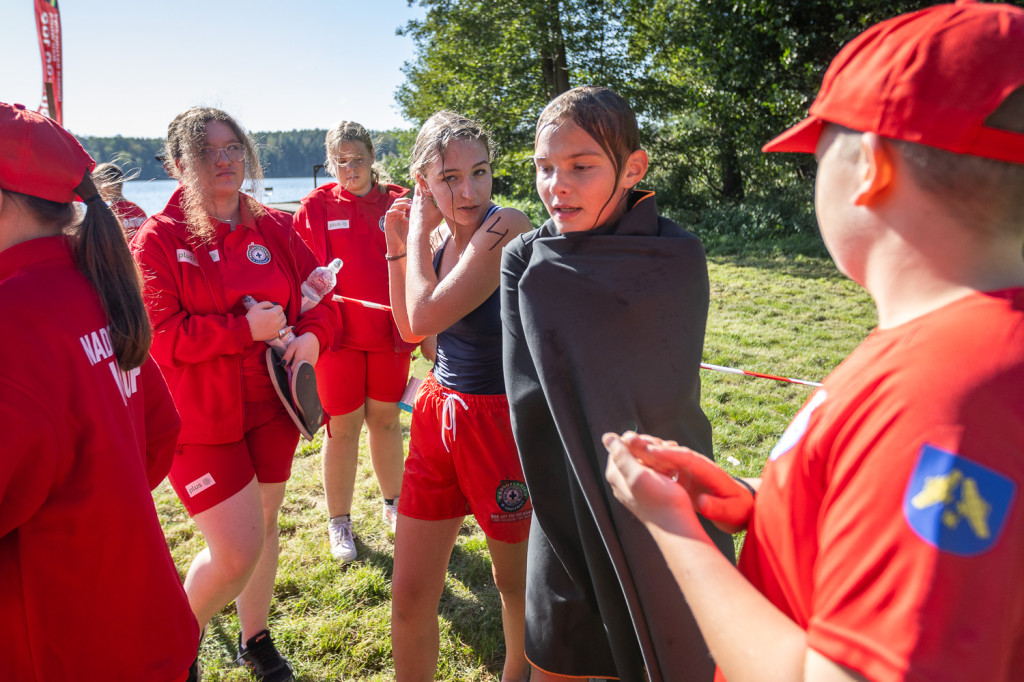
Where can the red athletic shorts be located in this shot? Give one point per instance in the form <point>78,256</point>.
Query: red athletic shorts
<point>345,378</point>
<point>463,460</point>
<point>206,475</point>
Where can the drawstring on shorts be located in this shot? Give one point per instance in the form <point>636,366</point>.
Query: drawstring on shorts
<point>448,417</point>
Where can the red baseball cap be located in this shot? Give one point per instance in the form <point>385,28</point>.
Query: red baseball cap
<point>38,157</point>
<point>930,77</point>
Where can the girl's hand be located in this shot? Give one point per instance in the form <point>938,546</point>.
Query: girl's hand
<point>304,347</point>
<point>425,215</point>
<point>396,226</point>
<point>266,320</point>
<point>714,493</point>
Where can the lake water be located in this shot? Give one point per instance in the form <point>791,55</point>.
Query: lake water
<point>152,195</point>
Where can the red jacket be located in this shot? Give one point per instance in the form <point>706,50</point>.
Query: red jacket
<point>335,223</point>
<point>196,340</point>
<point>130,215</point>
<point>87,586</point>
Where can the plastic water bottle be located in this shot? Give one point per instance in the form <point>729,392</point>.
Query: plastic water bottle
<point>320,283</point>
<point>280,344</point>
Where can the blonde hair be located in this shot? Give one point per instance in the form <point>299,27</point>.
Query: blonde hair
<point>186,137</point>
<point>350,131</point>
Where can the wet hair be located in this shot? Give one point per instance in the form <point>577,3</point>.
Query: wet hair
<point>350,131</point>
<point>603,114</point>
<point>186,137</point>
<point>981,192</point>
<point>101,254</point>
<point>439,131</point>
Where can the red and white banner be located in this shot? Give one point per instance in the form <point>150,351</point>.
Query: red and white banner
<point>50,49</point>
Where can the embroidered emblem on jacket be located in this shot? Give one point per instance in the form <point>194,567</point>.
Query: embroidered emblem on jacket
<point>258,254</point>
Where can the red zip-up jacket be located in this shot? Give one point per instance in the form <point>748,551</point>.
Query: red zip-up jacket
<point>335,223</point>
<point>88,589</point>
<point>197,342</point>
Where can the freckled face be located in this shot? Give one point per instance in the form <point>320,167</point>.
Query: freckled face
<point>576,179</point>
<point>460,182</point>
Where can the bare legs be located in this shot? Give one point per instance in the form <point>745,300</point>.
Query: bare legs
<point>340,453</point>
<point>240,558</point>
<point>422,551</point>
<point>253,603</point>
<point>508,566</point>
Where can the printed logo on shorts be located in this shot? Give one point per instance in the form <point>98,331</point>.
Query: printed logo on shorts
<point>215,255</point>
<point>955,504</point>
<point>798,427</point>
<point>511,495</point>
<point>337,224</point>
<point>258,254</point>
<point>200,484</point>
<point>381,223</point>
<point>186,256</point>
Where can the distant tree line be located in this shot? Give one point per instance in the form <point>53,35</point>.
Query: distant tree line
<point>291,153</point>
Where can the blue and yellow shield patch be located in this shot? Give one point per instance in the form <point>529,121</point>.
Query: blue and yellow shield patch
<point>955,504</point>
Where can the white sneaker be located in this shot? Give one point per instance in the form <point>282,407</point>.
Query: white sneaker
<point>390,515</point>
<point>343,542</point>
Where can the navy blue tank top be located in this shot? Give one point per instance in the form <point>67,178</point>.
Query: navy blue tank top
<point>469,351</point>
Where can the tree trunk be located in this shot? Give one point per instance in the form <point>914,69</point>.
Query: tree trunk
<point>554,66</point>
<point>732,178</point>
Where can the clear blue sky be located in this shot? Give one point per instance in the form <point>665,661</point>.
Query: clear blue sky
<point>131,65</point>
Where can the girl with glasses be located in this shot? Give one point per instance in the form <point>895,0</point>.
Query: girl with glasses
<point>208,250</point>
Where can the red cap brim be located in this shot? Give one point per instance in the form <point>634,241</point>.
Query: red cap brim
<point>803,137</point>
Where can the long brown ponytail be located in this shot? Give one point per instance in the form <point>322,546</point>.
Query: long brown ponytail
<point>102,255</point>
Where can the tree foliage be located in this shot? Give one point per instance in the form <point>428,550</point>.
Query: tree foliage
<point>711,80</point>
<point>500,61</point>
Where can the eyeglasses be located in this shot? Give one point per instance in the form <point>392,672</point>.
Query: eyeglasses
<point>355,161</point>
<point>234,152</point>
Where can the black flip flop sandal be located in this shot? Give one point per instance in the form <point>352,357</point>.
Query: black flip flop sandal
<point>297,391</point>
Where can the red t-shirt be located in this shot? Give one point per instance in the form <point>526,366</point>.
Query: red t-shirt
<point>130,215</point>
<point>889,523</point>
<point>338,224</point>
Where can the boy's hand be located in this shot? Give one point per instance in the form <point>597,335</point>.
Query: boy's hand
<point>711,491</point>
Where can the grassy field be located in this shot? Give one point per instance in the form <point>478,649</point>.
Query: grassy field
<point>791,316</point>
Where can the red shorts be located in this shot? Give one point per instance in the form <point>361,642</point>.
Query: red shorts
<point>206,475</point>
<point>345,378</point>
<point>463,460</point>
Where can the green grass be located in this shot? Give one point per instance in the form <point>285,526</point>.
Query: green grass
<point>792,316</point>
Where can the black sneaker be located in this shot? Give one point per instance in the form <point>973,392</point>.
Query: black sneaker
<point>263,660</point>
<point>195,672</point>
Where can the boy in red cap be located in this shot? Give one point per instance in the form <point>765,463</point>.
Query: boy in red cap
<point>886,541</point>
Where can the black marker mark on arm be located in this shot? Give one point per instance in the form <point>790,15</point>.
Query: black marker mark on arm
<point>500,235</point>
